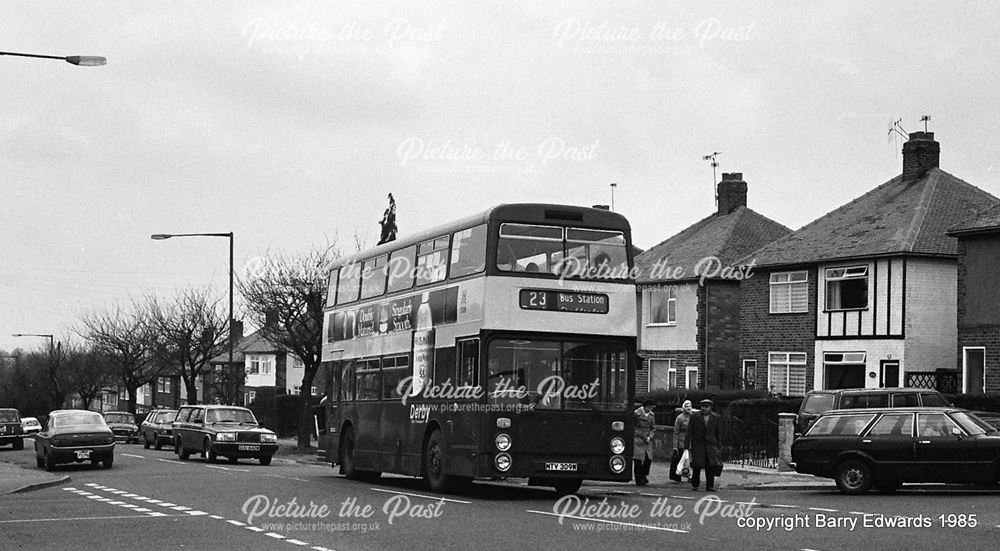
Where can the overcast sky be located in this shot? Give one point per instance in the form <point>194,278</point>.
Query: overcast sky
<point>287,123</point>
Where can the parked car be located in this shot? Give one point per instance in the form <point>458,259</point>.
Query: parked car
<point>156,429</point>
<point>819,401</point>
<point>229,431</point>
<point>123,426</point>
<point>30,425</point>
<point>74,436</point>
<point>10,428</point>
<point>861,448</point>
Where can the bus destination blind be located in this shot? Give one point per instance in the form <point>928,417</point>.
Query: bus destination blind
<point>560,301</point>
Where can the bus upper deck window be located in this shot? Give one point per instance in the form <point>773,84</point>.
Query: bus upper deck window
<point>468,251</point>
<point>331,290</point>
<point>350,283</point>
<point>598,253</point>
<point>373,274</point>
<point>401,265</point>
<point>529,248</point>
<point>432,260</point>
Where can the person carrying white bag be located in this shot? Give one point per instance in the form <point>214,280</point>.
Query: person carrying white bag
<point>680,460</point>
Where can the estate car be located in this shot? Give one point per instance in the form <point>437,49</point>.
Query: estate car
<point>123,425</point>
<point>818,401</point>
<point>156,428</point>
<point>228,431</point>
<point>861,448</point>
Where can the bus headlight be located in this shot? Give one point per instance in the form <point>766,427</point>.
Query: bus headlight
<point>503,422</point>
<point>503,442</point>
<point>503,462</point>
<point>617,445</point>
<point>617,464</point>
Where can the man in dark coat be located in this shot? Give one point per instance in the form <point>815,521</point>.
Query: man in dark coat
<point>703,444</point>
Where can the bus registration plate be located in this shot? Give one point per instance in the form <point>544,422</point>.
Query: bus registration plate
<point>560,466</point>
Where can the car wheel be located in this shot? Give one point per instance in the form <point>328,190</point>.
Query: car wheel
<point>265,460</point>
<point>347,455</point>
<point>19,444</point>
<point>182,452</point>
<point>50,463</point>
<point>210,454</point>
<point>853,477</point>
<point>434,463</point>
<point>145,442</point>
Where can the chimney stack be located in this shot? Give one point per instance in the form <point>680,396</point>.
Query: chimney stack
<point>732,192</point>
<point>920,153</point>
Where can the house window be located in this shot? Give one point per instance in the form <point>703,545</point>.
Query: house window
<point>249,397</point>
<point>847,288</point>
<point>786,373</point>
<point>662,374</point>
<point>663,306</point>
<point>749,374</point>
<point>789,292</point>
<point>691,382</point>
<point>260,364</point>
<point>844,370</point>
<point>296,389</point>
<point>163,385</point>
<point>312,390</point>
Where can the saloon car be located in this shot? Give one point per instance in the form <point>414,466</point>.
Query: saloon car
<point>74,436</point>
<point>123,426</point>
<point>227,431</point>
<point>10,428</point>
<point>819,401</point>
<point>156,429</point>
<point>30,425</point>
<point>884,448</point>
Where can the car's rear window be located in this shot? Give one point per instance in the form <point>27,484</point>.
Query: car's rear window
<point>858,401</point>
<point>165,417</point>
<point>904,400</point>
<point>118,418</point>
<point>818,403</point>
<point>8,417</point>
<point>79,419</point>
<point>840,425</point>
<point>934,400</point>
<point>893,424</point>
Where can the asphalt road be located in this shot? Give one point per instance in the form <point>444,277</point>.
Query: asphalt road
<point>150,501</point>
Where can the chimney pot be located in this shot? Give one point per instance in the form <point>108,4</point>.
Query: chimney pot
<point>733,176</point>
<point>920,153</point>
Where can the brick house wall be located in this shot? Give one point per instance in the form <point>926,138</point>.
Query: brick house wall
<point>683,358</point>
<point>762,332</point>
<point>978,307</point>
<point>719,334</point>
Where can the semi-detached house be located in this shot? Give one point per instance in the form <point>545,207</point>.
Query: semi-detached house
<point>865,296</point>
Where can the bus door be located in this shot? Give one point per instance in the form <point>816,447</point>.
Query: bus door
<point>329,409</point>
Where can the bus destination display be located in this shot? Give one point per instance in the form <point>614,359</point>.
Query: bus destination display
<point>589,303</point>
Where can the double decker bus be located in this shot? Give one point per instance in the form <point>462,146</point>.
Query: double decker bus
<point>500,345</point>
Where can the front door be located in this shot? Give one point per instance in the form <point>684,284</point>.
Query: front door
<point>974,371</point>
<point>889,376</point>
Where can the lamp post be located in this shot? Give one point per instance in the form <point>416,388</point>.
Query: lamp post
<point>164,236</point>
<point>53,354</point>
<point>81,60</point>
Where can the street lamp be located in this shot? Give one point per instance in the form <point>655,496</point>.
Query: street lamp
<point>53,351</point>
<point>81,60</point>
<point>165,236</point>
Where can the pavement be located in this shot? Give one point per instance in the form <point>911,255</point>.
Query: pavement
<point>16,479</point>
<point>733,475</point>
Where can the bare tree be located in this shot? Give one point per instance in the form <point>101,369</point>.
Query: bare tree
<point>127,339</point>
<point>191,330</point>
<point>292,289</point>
<point>90,372</point>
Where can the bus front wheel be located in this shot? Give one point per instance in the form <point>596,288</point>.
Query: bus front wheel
<point>434,463</point>
<point>347,455</point>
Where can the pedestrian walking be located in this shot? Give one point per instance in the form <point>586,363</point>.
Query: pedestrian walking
<point>642,453</point>
<point>703,445</point>
<point>680,435</point>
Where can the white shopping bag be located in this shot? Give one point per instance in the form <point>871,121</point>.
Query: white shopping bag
<point>684,465</point>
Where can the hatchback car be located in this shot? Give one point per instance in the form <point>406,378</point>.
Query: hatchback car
<point>156,429</point>
<point>74,436</point>
<point>123,426</point>
<point>228,431</point>
<point>884,448</point>
<point>819,401</point>
<point>30,425</point>
<point>10,428</point>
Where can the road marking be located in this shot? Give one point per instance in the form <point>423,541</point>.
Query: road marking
<point>197,513</point>
<point>785,506</point>
<point>822,509</point>
<point>171,461</point>
<point>647,527</point>
<point>154,501</point>
<point>651,495</point>
<point>297,542</point>
<point>321,548</point>
<point>682,497</point>
<point>165,504</point>
<point>133,455</point>
<point>858,513</point>
<point>299,479</point>
<point>435,498</point>
<point>79,518</point>
<point>275,536</point>
<point>235,523</point>
<point>254,528</point>
<point>217,467</point>
<point>216,517</point>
